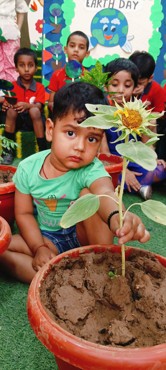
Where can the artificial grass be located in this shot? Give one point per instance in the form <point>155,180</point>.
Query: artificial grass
<point>19,347</point>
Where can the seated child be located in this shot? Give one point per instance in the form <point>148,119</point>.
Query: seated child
<point>122,79</point>
<point>54,178</point>
<point>152,92</point>
<point>76,49</point>
<point>27,113</point>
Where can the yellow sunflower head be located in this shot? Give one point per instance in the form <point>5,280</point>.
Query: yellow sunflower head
<point>135,118</point>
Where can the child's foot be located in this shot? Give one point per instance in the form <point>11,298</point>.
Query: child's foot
<point>7,158</point>
<point>145,192</point>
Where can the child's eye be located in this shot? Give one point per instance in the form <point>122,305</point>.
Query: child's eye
<point>70,133</point>
<point>92,140</point>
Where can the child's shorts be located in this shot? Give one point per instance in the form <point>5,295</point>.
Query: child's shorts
<point>24,122</point>
<point>64,239</point>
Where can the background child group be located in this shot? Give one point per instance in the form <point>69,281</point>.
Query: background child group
<point>55,177</point>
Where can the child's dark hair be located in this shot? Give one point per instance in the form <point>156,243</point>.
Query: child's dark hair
<point>81,34</point>
<point>122,64</point>
<point>74,96</point>
<point>25,51</point>
<point>145,63</point>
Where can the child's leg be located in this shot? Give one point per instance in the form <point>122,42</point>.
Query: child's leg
<point>38,127</point>
<point>94,230</point>
<point>17,259</point>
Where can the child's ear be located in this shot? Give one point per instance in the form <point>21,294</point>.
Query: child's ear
<point>49,129</point>
<point>150,78</point>
<point>87,54</point>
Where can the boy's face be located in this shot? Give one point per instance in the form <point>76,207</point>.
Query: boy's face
<point>142,83</point>
<point>123,85</point>
<point>26,67</point>
<point>73,146</point>
<point>76,48</point>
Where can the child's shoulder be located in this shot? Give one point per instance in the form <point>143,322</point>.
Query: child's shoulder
<point>36,159</point>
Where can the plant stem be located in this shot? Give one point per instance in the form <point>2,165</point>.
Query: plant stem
<point>120,210</point>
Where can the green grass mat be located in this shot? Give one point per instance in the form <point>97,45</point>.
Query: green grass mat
<point>19,347</point>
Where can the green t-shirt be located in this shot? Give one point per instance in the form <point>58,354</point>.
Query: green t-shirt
<point>52,197</point>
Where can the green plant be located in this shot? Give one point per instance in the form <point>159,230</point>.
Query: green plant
<point>5,144</point>
<point>96,76</point>
<point>131,119</point>
<point>6,87</point>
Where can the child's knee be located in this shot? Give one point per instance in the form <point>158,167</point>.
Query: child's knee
<point>34,113</point>
<point>12,114</point>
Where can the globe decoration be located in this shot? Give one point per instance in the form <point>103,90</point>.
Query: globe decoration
<point>73,69</point>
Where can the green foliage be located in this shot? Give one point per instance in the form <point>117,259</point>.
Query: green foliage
<point>96,76</point>
<point>83,208</point>
<point>6,86</point>
<point>5,144</point>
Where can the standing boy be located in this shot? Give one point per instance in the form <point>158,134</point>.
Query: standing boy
<point>27,113</point>
<point>53,179</point>
<point>76,49</point>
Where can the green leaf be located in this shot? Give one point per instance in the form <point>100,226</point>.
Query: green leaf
<point>101,109</point>
<point>139,153</point>
<point>98,122</point>
<point>80,210</point>
<point>155,210</point>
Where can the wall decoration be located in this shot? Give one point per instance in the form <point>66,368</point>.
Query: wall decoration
<point>115,28</point>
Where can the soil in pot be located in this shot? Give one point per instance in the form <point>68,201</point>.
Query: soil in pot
<point>6,176</point>
<point>88,297</point>
<point>7,191</point>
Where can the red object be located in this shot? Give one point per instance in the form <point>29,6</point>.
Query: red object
<point>155,95</point>
<point>59,78</point>
<point>7,191</point>
<point>5,235</point>
<point>35,93</point>
<point>73,353</point>
<point>114,167</point>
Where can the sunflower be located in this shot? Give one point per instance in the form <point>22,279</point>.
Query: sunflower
<point>132,118</point>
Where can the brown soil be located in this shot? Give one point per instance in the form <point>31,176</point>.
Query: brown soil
<point>5,176</point>
<point>116,311</point>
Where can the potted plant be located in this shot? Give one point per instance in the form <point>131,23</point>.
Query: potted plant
<point>7,187</point>
<point>55,328</point>
<point>5,235</point>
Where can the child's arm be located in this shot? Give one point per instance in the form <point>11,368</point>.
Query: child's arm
<point>51,100</point>
<point>20,19</point>
<point>132,229</point>
<point>30,231</point>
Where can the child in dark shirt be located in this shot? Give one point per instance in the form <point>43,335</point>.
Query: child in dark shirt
<point>27,113</point>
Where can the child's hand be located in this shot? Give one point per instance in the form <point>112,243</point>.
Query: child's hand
<point>20,107</point>
<point>161,162</point>
<point>6,106</point>
<point>132,229</point>
<point>43,255</point>
<point>131,180</point>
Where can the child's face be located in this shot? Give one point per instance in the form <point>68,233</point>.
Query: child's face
<point>26,67</point>
<point>76,48</point>
<point>73,146</point>
<point>123,85</point>
<point>142,83</point>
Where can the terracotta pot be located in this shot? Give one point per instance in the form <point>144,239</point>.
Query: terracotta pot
<point>7,191</point>
<point>73,353</point>
<point>113,165</point>
<point>5,235</point>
